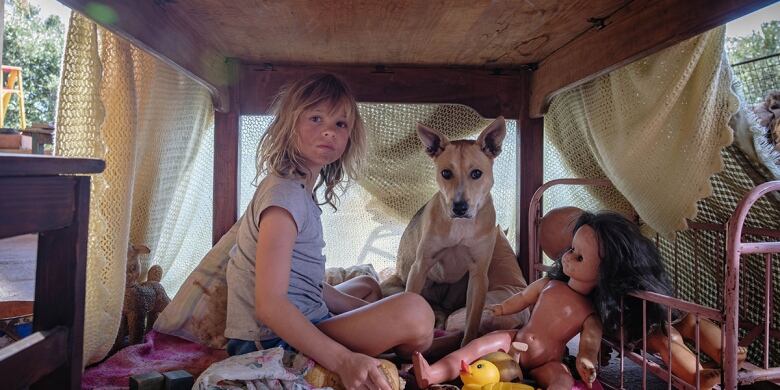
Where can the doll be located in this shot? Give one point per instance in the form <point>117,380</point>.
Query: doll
<point>559,224</point>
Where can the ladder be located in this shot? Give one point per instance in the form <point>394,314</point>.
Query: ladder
<point>12,85</point>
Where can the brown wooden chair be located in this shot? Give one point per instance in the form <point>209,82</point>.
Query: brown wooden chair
<point>36,196</point>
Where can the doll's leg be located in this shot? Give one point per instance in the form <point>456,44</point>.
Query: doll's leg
<point>363,287</point>
<point>553,376</point>
<point>403,321</point>
<point>684,362</point>
<point>710,337</point>
<point>448,367</point>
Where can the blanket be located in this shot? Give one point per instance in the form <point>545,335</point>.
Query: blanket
<point>159,352</point>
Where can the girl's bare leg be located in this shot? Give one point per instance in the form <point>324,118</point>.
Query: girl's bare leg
<point>684,362</point>
<point>553,376</point>
<point>403,321</point>
<point>448,367</point>
<point>363,287</point>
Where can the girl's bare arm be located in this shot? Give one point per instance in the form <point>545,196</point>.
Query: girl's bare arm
<point>273,258</point>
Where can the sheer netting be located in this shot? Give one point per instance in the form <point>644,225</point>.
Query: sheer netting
<point>154,128</point>
<point>399,179</point>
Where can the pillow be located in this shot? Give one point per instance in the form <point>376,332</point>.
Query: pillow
<point>338,275</point>
<point>197,312</point>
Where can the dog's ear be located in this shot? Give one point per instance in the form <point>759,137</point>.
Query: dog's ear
<point>491,138</point>
<point>139,249</point>
<point>433,141</point>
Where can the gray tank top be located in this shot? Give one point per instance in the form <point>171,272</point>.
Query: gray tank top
<point>308,262</point>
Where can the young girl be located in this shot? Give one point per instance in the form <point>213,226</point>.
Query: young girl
<point>608,259</point>
<point>276,293</point>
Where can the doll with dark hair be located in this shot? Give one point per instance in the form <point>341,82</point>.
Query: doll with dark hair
<point>608,259</point>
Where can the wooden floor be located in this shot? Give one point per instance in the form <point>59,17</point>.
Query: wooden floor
<point>17,268</point>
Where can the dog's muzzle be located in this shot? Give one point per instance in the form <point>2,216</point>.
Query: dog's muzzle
<point>459,210</point>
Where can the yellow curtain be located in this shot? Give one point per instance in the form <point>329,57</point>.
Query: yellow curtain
<point>154,128</point>
<point>655,128</point>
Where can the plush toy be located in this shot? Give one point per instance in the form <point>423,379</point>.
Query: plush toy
<point>143,300</point>
<point>319,377</point>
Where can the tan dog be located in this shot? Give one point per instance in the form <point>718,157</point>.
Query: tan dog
<point>455,232</point>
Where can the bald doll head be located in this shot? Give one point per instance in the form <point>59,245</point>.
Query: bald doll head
<point>556,230</point>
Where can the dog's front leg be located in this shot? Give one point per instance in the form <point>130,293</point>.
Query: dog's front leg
<point>419,271</point>
<point>475,301</point>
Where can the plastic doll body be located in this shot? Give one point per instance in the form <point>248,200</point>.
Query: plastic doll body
<point>555,232</point>
<point>560,310</point>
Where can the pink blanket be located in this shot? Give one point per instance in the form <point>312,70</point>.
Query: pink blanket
<point>159,352</point>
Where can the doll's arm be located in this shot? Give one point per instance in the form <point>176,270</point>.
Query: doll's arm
<point>521,300</point>
<point>590,341</point>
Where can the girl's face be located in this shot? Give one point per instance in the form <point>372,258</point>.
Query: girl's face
<point>323,135</point>
<point>582,261</point>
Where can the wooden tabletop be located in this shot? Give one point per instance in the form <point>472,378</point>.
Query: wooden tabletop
<point>38,165</point>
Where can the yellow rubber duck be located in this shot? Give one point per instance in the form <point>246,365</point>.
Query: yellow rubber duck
<point>484,375</point>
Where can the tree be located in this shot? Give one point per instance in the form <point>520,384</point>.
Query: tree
<point>759,77</point>
<point>759,44</point>
<point>35,45</point>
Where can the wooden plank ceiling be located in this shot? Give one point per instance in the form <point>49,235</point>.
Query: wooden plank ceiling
<point>398,32</point>
<point>570,41</point>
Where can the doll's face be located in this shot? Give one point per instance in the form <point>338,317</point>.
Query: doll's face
<point>582,261</point>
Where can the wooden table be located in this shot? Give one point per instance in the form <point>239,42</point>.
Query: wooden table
<point>49,196</point>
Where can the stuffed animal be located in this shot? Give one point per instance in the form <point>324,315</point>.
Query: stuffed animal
<point>143,300</point>
<point>319,377</point>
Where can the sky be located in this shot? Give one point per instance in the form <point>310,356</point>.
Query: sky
<point>740,27</point>
<point>49,7</point>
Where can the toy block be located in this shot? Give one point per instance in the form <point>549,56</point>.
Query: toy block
<point>148,381</point>
<point>178,380</point>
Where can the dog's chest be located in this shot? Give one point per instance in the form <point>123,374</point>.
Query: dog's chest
<point>451,264</point>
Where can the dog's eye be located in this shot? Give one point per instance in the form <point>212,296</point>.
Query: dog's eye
<point>446,174</point>
<point>476,174</point>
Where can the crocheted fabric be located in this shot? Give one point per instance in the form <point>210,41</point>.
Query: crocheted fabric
<point>153,127</point>
<point>655,128</point>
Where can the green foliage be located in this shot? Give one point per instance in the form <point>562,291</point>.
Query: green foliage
<point>759,44</point>
<point>34,44</point>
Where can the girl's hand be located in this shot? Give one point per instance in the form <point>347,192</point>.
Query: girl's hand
<point>359,372</point>
<point>497,309</point>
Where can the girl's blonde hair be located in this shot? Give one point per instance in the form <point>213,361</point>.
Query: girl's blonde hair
<point>278,151</point>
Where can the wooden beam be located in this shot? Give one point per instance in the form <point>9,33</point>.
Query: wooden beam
<point>226,156</point>
<point>530,165</point>
<point>34,204</point>
<point>39,165</point>
<point>167,35</point>
<point>490,93</point>
<point>47,349</point>
<point>639,29</point>
<point>60,287</point>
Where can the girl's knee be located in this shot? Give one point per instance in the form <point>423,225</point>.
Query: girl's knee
<point>374,292</point>
<point>415,314</point>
